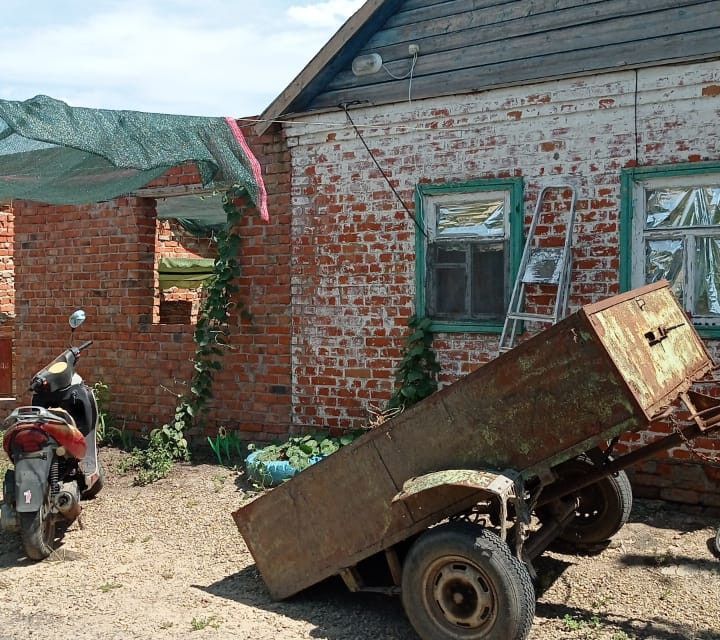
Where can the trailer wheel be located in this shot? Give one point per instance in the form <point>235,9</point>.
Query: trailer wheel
<point>460,582</point>
<point>604,506</point>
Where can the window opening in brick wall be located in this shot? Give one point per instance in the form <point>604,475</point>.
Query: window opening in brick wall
<point>185,252</point>
<point>466,266</point>
<point>673,215</point>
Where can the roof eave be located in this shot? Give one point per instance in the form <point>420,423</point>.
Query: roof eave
<point>346,42</point>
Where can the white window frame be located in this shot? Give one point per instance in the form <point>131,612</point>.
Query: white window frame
<point>689,234</point>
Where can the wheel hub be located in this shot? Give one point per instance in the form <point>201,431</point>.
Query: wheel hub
<point>463,595</point>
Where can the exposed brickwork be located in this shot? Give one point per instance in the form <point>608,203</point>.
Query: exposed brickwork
<point>175,305</point>
<point>7,302</point>
<point>103,258</point>
<point>353,243</point>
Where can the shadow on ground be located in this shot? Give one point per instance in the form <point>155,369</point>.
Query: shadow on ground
<point>328,606</point>
<point>653,628</point>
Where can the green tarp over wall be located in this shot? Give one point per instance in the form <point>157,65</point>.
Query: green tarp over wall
<point>51,152</point>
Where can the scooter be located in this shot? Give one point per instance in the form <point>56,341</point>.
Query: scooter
<point>53,447</point>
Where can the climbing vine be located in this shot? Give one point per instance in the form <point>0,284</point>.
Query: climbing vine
<point>169,443</point>
<point>416,376</point>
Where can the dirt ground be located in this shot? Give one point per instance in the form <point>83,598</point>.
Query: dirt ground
<point>166,562</point>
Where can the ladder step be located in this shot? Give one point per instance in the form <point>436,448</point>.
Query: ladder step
<point>537,317</point>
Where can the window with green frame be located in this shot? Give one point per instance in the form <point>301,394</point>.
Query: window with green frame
<point>670,228</point>
<point>466,265</point>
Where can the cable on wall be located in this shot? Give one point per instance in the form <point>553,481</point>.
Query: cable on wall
<point>344,107</point>
<point>635,118</point>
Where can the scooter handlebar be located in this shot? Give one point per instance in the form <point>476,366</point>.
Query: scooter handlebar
<point>84,345</point>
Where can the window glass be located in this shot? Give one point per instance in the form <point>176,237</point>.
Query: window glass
<point>468,258</point>
<point>682,207</point>
<point>707,280</point>
<point>488,269</point>
<point>676,236</point>
<point>664,259</point>
<point>482,218</point>
<point>467,270</point>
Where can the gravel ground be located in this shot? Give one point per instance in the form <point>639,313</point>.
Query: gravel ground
<point>167,562</point>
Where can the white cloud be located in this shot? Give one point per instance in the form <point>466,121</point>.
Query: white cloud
<point>324,14</point>
<point>172,56</point>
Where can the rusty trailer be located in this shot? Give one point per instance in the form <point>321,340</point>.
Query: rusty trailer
<point>449,503</point>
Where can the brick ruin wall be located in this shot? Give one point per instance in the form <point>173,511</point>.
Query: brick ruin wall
<point>103,258</point>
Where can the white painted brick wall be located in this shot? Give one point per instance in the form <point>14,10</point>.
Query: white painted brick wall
<point>353,277</point>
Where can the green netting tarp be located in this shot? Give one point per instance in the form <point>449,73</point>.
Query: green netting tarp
<point>51,152</point>
<point>186,273</point>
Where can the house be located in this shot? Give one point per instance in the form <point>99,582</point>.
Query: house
<point>420,116</point>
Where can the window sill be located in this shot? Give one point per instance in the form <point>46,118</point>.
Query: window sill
<point>456,326</point>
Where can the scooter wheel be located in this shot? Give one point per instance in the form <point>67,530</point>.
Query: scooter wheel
<point>97,487</point>
<point>37,531</point>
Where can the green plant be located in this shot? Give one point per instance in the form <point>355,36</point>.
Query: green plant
<point>196,624</point>
<point>575,623</point>
<point>211,340</point>
<point>109,586</point>
<point>299,451</point>
<point>416,377</point>
<point>226,445</point>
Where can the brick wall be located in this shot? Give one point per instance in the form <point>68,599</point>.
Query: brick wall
<point>7,302</point>
<point>103,258</point>
<point>353,243</point>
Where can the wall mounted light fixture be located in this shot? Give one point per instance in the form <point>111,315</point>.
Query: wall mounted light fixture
<point>367,64</point>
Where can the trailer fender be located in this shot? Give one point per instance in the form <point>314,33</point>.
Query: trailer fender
<point>425,493</point>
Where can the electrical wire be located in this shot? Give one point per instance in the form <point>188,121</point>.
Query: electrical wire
<point>382,172</point>
<point>408,74</point>
<point>635,116</point>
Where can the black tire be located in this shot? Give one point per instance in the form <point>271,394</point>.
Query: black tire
<point>604,506</point>
<point>460,582</point>
<point>99,484</point>
<point>717,542</point>
<point>37,532</point>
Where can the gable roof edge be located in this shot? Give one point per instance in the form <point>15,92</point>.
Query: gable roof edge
<point>315,67</point>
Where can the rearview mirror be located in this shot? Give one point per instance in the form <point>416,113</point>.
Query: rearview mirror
<point>77,318</point>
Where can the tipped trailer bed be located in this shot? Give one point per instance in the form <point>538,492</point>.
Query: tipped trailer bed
<point>449,503</point>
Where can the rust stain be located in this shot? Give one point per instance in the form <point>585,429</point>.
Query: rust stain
<point>711,91</point>
<point>538,99</point>
<point>514,115</point>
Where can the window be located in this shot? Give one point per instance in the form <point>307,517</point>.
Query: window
<point>466,265</point>
<point>672,216</point>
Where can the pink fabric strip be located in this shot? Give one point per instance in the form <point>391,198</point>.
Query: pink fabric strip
<point>255,165</point>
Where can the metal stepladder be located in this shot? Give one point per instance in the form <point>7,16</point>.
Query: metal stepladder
<point>541,265</point>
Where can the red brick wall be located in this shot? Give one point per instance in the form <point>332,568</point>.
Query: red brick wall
<point>354,245</point>
<point>7,301</point>
<point>102,258</point>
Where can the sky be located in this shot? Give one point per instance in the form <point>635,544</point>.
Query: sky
<point>193,57</point>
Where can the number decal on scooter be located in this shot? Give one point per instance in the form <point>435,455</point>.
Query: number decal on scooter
<point>28,496</point>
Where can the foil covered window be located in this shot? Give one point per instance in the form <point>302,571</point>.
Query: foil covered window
<point>682,207</point>
<point>467,256</point>
<point>679,229</point>
<point>485,219</point>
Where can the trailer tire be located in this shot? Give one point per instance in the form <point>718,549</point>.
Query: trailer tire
<point>604,506</point>
<point>461,582</point>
